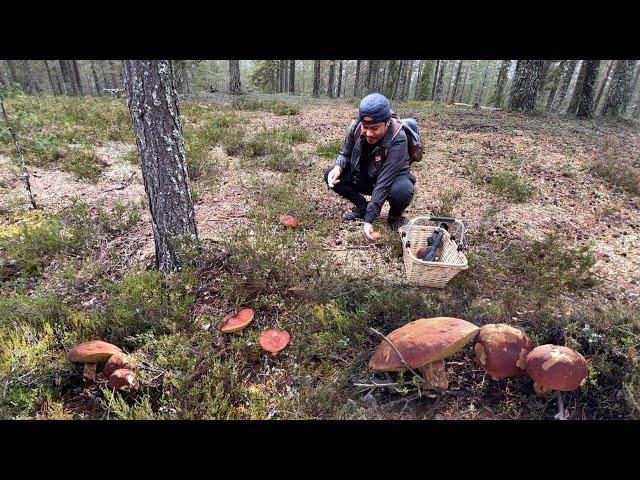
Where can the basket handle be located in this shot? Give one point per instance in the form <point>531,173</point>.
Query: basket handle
<point>406,231</point>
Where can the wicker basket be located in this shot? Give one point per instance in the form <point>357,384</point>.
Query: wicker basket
<point>431,274</point>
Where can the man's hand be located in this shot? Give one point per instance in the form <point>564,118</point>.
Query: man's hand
<point>332,179</point>
<point>368,232</point>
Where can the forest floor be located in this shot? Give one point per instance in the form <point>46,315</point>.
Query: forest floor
<point>551,206</point>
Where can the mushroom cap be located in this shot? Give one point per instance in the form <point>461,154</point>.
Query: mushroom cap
<point>123,377</point>
<point>115,362</point>
<point>95,351</point>
<point>423,341</point>
<point>502,349</point>
<point>235,323</point>
<point>421,251</point>
<point>274,340</point>
<point>556,367</point>
<point>289,220</point>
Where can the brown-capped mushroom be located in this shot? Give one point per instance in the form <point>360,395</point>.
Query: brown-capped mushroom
<point>424,344</point>
<point>122,378</point>
<point>554,367</point>
<point>115,362</point>
<point>289,221</point>
<point>92,353</point>
<point>235,323</point>
<point>274,340</point>
<point>502,349</point>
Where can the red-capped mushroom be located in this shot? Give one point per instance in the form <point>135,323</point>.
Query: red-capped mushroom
<point>424,344</point>
<point>235,323</point>
<point>122,378</point>
<point>115,362</point>
<point>502,349</point>
<point>274,340</point>
<point>289,221</point>
<point>554,367</point>
<point>92,353</point>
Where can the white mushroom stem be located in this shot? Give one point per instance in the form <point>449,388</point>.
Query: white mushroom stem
<point>90,371</point>
<point>435,374</point>
<point>562,413</point>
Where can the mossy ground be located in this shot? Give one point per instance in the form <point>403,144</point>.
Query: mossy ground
<point>79,268</point>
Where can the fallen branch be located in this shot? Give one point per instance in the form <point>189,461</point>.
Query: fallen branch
<point>353,247</point>
<point>25,172</point>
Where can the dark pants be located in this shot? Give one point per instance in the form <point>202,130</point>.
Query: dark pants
<point>400,192</point>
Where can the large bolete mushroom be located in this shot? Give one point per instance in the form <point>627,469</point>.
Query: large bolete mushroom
<point>502,349</point>
<point>235,323</point>
<point>92,353</point>
<point>274,340</point>
<point>115,362</point>
<point>424,344</point>
<point>122,378</point>
<point>289,221</point>
<point>553,367</point>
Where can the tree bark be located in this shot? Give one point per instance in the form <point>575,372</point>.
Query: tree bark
<point>331,80</point>
<point>484,82</point>
<point>620,89</point>
<point>339,80</point>
<point>316,78</point>
<point>292,76</point>
<point>457,81</point>
<point>33,88</point>
<point>440,81</point>
<point>95,78</point>
<point>582,102</point>
<point>356,82</point>
<point>501,82</point>
<point>11,71</point>
<point>525,86</point>
<point>68,84</point>
<point>235,85</point>
<point>605,80</point>
<point>435,80</point>
<point>634,85</point>
<point>567,75</point>
<point>112,70</point>
<point>153,102</point>
<point>557,73</point>
<point>76,73</point>
<point>53,87</point>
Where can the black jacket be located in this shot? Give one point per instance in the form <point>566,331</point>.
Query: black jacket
<point>395,164</point>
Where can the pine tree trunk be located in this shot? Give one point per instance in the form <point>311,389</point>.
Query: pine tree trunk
<point>51,84</point>
<point>570,68</point>
<point>11,69</point>
<point>33,88</point>
<point>105,79</point>
<point>543,77</point>
<point>525,86</point>
<point>440,81</point>
<point>457,81</point>
<point>112,70</point>
<point>464,82</point>
<point>235,87</point>
<point>554,87</point>
<point>620,89</point>
<point>484,82</point>
<point>76,73</point>
<point>583,96</point>
<point>331,80</point>
<point>634,85</point>
<point>435,80</point>
<point>292,76</point>
<point>356,82</point>
<point>605,80</point>
<point>95,78</point>
<point>153,101</point>
<point>69,85</point>
<point>339,80</point>
<point>500,84</point>
<point>316,78</point>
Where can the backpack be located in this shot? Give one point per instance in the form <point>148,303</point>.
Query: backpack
<point>410,126</point>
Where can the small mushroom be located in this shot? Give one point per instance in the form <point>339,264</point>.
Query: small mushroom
<point>92,353</point>
<point>235,323</point>
<point>502,349</point>
<point>122,378</point>
<point>424,344</point>
<point>289,221</point>
<point>115,362</point>
<point>274,340</point>
<point>553,367</point>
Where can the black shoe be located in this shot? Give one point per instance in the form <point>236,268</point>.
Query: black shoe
<point>396,222</point>
<point>357,214</point>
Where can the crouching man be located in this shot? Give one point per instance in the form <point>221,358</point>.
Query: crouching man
<point>374,160</point>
